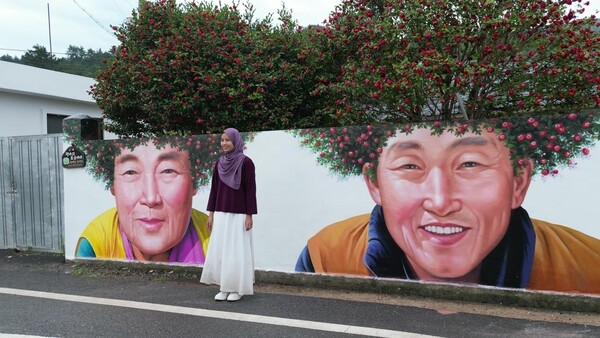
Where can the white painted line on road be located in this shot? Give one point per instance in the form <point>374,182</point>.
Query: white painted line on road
<point>303,324</point>
<point>5,335</point>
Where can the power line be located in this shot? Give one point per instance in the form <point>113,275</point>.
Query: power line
<point>127,2</point>
<point>127,5</point>
<point>92,17</point>
<point>24,50</point>
<point>13,50</point>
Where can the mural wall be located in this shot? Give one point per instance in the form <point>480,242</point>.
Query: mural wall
<point>506,203</point>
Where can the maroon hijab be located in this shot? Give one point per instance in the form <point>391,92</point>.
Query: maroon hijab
<point>230,164</point>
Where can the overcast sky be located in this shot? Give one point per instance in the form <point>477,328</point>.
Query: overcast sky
<point>86,23</point>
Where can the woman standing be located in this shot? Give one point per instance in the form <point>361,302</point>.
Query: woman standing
<point>232,202</point>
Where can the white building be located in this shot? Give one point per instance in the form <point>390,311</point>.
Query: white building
<point>33,101</point>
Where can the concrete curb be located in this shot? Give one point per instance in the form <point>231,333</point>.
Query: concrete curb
<point>449,292</point>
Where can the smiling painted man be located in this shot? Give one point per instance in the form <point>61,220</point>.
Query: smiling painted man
<point>449,209</point>
<point>461,194</point>
<point>153,219</point>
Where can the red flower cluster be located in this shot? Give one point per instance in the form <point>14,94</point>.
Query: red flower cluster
<point>345,150</point>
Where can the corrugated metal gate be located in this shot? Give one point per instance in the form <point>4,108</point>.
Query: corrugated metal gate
<point>31,182</point>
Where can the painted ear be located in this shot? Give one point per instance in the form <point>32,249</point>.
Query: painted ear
<point>372,185</point>
<point>521,183</point>
<point>112,190</point>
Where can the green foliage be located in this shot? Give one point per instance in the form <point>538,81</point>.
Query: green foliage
<point>196,68</point>
<point>10,58</point>
<point>409,61</point>
<point>39,57</point>
<point>78,61</point>
<point>83,62</point>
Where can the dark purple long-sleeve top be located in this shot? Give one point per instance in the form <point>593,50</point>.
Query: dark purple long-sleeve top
<point>226,199</point>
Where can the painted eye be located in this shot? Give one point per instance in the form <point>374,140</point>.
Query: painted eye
<point>470,164</point>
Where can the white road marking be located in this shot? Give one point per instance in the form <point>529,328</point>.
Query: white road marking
<point>303,324</point>
<point>4,335</point>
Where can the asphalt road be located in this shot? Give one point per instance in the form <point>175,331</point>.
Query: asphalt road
<point>41,295</point>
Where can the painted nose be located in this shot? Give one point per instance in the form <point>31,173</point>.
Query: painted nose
<point>150,192</point>
<point>440,193</point>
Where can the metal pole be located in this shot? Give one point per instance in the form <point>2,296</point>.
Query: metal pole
<point>49,32</point>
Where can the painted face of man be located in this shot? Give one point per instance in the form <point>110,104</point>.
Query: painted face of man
<point>153,189</point>
<point>447,199</point>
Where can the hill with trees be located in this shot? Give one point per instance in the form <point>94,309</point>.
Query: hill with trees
<point>78,60</point>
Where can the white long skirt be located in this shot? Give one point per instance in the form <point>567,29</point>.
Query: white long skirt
<point>229,259</point>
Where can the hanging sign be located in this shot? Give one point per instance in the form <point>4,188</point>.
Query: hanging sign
<point>73,158</point>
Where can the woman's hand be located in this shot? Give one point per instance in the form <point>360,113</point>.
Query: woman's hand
<point>248,222</point>
<point>209,222</point>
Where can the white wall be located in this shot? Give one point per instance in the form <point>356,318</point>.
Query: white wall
<point>569,198</point>
<point>29,94</point>
<point>297,197</point>
<point>26,115</point>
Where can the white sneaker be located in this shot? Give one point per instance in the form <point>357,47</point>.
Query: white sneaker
<point>222,296</point>
<point>234,297</point>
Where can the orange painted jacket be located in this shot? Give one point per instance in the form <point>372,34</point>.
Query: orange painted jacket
<point>564,259</point>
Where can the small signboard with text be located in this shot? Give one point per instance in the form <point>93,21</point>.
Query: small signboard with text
<point>73,158</point>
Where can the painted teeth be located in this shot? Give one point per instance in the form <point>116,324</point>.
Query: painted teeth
<point>443,230</point>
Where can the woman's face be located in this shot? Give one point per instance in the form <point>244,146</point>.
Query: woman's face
<point>153,189</point>
<point>446,199</point>
<point>226,144</point>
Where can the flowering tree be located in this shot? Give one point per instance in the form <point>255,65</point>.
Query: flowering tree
<point>196,68</point>
<point>409,61</point>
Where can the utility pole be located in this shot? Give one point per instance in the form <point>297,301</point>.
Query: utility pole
<point>49,31</point>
